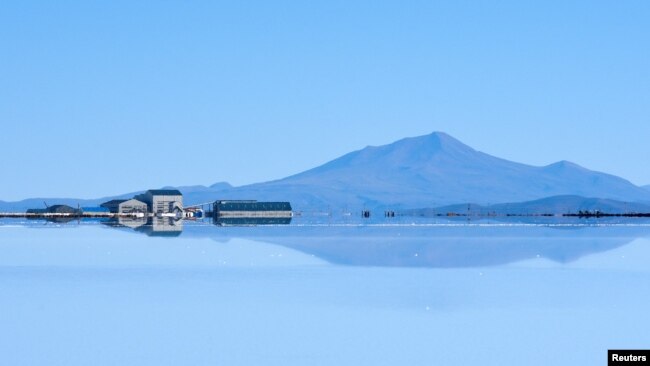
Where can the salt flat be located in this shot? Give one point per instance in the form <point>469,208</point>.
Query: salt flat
<point>85,293</point>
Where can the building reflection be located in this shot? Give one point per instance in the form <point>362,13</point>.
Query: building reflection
<point>131,222</point>
<point>171,226</point>
<point>251,221</point>
<point>151,226</point>
<point>162,226</point>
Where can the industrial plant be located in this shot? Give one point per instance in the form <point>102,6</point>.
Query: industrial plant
<point>251,213</point>
<point>156,204</point>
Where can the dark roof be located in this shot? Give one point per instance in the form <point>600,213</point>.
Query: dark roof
<point>165,192</point>
<point>251,206</point>
<point>54,209</point>
<point>113,202</point>
<point>164,233</point>
<point>62,209</point>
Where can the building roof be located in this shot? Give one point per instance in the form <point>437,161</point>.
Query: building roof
<point>251,206</point>
<point>114,202</point>
<point>135,201</point>
<point>165,192</point>
<point>54,209</point>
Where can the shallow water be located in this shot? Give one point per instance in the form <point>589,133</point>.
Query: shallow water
<point>344,293</point>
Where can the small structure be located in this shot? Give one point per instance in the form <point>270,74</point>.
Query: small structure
<point>131,206</point>
<point>193,213</point>
<point>55,209</point>
<point>162,201</point>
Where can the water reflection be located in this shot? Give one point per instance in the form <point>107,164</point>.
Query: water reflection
<point>439,247</point>
<point>419,245</point>
<point>55,220</point>
<point>171,226</point>
<point>151,226</point>
<point>251,221</point>
<point>60,286</point>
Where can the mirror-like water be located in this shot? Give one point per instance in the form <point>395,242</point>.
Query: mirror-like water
<point>343,294</point>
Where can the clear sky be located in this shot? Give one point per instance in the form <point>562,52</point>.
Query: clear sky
<point>105,97</point>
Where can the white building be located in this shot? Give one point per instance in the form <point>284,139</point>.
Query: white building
<point>162,201</point>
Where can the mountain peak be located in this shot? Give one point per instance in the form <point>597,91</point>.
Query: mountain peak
<point>221,186</point>
<point>420,152</point>
<point>426,146</point>
<point>433,170</point>
<point>564,165</point>
<point>438,138</point>
<point>439,168</point>
<point>442,136</point>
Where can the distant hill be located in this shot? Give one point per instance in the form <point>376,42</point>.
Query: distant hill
<point>550,205</point>
<point>432,170</point>
<point>23,205</point>
<point>19,206</point>
<point>425,171</point>
<point>646,187</point>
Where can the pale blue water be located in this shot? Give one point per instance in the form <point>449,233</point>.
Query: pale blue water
<point>446,294</point>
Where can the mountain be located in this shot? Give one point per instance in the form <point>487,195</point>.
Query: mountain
<point>646,187</point>
<point>425,171</point>
<point>220,186</point>
<point>550,205</point>
<point>432,170</point>
<point>434,247</point>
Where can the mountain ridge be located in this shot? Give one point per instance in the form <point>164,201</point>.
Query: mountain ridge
<point>423,171</point>
<point>442,170</point>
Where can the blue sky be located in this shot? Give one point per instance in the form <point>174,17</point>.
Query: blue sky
<point>100,98</point>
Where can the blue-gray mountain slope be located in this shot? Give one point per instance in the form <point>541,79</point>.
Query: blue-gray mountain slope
<point>430,171</point>
<point>425,171</point>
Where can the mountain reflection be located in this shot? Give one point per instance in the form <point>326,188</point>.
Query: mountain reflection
<point>441,247</point>
<point>434,246</point>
